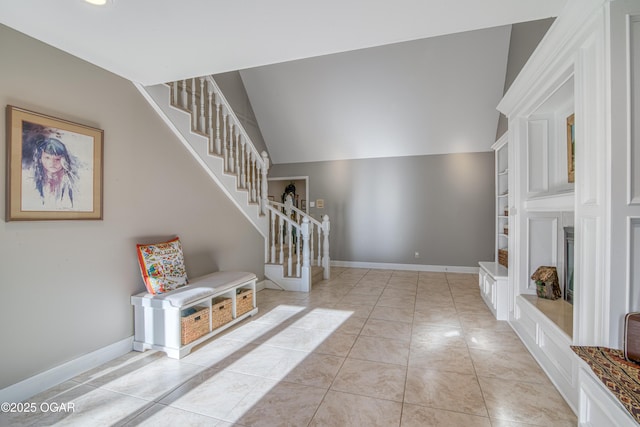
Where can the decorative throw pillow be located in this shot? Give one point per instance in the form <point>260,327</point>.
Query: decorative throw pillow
<point>162,266</point>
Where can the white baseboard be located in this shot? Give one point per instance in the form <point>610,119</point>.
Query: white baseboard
<point>54,376</point>
<point>407,267</point>
<point>261,285</point>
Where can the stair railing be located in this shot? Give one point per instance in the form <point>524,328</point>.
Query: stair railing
<point>213,117</point>
<point>289,239</point>
<point>318,241</point>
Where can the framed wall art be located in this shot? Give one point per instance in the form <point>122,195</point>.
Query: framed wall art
<point>571,148</point>
<point>54,168</point>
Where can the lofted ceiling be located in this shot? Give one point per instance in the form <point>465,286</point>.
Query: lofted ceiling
<point>353,88</point>
<point>430,96</point>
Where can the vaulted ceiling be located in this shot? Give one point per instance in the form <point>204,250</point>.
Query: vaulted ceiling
<point>430,96</point>
<point>353,79</point>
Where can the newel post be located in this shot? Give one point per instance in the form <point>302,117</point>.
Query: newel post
<point>306,262</point>
<point>325,247</point>
<point>265,184</point>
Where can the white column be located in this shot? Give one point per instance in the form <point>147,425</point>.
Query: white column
<point>326,262</point>
<point>305,275</point>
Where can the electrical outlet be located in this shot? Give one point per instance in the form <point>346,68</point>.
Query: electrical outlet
<point>416,254</point>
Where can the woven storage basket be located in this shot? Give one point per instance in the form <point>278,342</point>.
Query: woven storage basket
<point>503,257</point>
<point>244,301</point>
<point>221,312</point>
<point>195,325</point>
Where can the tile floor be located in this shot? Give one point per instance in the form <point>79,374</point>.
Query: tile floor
<point>367,348</point>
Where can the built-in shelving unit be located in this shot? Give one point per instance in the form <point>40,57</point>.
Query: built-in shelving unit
<point>501,149</point>
<point>493,275</point>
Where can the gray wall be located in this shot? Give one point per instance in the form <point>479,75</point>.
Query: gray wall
<point>66,285</point>
<point>525,38</point>
<point>383,210</point>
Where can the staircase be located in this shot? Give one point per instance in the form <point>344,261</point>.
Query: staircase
<point>296,244</point>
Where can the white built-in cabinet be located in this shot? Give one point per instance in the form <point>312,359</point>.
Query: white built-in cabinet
<point>494,288</point>
<point>493,275</point>
<point>588,64</point>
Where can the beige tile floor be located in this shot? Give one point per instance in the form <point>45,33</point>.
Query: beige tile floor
<point>367,348</point>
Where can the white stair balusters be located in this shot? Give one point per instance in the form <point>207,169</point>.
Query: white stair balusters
<point>225,148</point>
<point>201,122</point>
<point>289,249</point>
<point>210,132</point>
<point>194,115</point>
<point>272,230</point>
<point>238,152</point>
<point>218,145</point>
<point>183,95</point>
<point>281,239</point>
<point>310,239</point>
<point>264,187</point>
<point>253,177</point>
<point>243,175</point>
<point>232,139</point>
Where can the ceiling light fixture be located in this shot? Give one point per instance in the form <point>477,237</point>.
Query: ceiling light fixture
<point>97,2</point>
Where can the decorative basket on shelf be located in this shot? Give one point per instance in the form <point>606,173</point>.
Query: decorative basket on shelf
<point>194,323</point>
<point>503,257</point>
<point>221,312</point>
<point>244,301</point>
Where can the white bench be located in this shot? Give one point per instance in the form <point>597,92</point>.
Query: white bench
<point>157,318</point>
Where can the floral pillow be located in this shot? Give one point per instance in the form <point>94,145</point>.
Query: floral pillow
<point>162,266</point>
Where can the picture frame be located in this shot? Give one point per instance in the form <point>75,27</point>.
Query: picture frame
<point>571,148</point>
<point>303,205</point>
<point>54,168</point>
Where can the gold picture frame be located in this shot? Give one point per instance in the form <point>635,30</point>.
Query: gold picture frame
<point>54,168</point>
<point>571,148</point>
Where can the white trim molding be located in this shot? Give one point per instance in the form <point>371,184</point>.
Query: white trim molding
<point>406,267</point>
<point>43,381</point>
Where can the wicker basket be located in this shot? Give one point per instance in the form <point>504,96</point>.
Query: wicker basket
<point>195,325</point>
<point>221,312</point>
<point>244,301</point>
<point>503,257</point>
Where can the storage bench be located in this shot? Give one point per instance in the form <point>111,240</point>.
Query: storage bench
<point>176,321</point>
